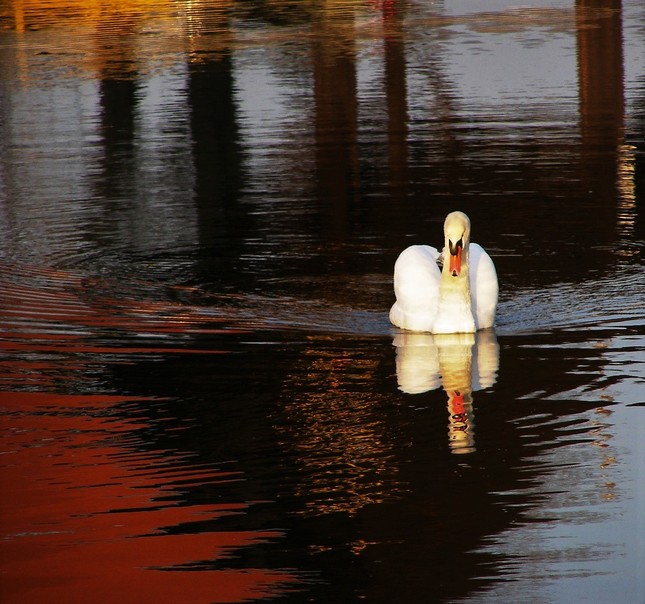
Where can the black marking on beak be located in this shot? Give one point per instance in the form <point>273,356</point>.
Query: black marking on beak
<point>454,246</point>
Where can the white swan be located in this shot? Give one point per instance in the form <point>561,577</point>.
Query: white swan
<point>461,298</point>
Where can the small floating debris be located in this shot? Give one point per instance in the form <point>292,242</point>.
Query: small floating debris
<point>603,411</point>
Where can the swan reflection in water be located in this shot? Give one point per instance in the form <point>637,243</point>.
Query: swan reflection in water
<point>461,362</point>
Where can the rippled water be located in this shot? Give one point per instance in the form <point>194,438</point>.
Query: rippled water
<point>201,397</point>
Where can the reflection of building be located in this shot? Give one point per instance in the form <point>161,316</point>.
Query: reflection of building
<point>442,120</point>
<point>336,119</point>
<point>101,123</point>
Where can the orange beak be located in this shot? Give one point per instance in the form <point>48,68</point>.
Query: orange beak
<point>455,262</point>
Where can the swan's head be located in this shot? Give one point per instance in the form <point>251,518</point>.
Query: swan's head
<point>456,229</point>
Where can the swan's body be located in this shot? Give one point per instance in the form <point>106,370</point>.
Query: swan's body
<point>460,298</point>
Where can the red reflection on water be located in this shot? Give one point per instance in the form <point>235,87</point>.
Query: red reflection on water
<point>82,513</point>
<point>89,514</point>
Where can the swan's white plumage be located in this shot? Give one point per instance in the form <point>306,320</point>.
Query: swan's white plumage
<point>416,285</point>
<point>483,287</point>
<point>431,300</point>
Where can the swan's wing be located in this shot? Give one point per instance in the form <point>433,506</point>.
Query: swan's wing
<point>416,286</point>
<point>483,286</point>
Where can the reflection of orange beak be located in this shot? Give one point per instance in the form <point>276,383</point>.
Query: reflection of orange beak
<point>457,400</point>
<point>455,262</point>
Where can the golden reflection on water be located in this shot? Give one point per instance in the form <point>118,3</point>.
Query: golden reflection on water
<point>626,183</point>
<point>337,433</point>
<point>137,32</point>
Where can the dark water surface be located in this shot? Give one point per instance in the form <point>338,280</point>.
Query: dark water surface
<point>202,399</point>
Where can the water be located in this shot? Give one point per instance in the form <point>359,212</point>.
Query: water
<point>202,399</point>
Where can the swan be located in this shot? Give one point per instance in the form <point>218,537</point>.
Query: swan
<point>460,298</point>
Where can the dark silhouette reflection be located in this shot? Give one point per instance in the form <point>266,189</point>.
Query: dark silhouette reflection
<point>601,73</point>
<point>215,133</point>
<point>336,106</point>
<point>217,155</point>
<point>396,97</point>
<point>118,85</point>
<point>461,363</point>
<point>608,160</point>
<point>602,105</point>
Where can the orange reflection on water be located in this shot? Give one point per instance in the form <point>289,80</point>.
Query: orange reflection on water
<point>85,517</point>
<point>33,14</point>
<point>91,510</point>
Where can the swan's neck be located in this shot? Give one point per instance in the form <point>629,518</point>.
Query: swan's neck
<point>454,313</point>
